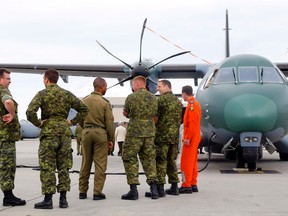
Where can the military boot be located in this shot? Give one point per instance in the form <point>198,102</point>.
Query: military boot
<point>154,191</point>
<point>160,189</point>
<point>11,200</point>
<point>63,200</point>
<point>132,194</point>
<point>47,203</point>
<point>173,190</point>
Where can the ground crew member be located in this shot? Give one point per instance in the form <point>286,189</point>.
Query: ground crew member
<point>191,140</point>
<point>141,108</point>
<point>78,134</point>
<point>9,134</point>
<point>97,138</point>
<point>55,136</point>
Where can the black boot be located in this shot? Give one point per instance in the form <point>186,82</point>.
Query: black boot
<point>154,191</point>
<point>160,189</point>
<point>11,200</point>
<point>132,194</point>
<point>173,190</point>
<point>46,203</point>
<point>63,200</point>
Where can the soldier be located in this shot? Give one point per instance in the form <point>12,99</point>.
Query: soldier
<point>169,117</point>
<point>191,140</point>
<point>55,136</point>
<point>78,134</point>
<point>9,134</point>
<point>141,108</point>
<point>97,138</point>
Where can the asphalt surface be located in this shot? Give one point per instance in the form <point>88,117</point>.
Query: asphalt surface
<point>222,191</point>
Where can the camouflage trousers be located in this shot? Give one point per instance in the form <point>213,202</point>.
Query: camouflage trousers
<point>55,153</point>
<point>166,155</point>
<point>145,148</point>
<point>7,165</point>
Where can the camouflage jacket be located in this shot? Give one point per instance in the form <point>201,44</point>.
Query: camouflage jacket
<point>55,104</point>
<point>141,108</point>
<point>169,119</point>
<point>11,131</point>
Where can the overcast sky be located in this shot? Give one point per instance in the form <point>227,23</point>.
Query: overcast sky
<point>65,32</point>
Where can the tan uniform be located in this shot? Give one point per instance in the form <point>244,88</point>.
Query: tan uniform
<point>98,129</point>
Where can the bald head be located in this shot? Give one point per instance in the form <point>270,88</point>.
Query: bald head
<point>100,85</point>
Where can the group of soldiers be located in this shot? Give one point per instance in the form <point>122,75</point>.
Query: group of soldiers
<point>152,134</point>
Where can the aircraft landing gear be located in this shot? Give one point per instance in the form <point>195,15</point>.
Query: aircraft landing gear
<point>249,155</point>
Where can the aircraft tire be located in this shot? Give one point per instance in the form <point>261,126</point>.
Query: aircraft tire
<point>240,163</point>
<point>283,156</point>
<point>251,166</point>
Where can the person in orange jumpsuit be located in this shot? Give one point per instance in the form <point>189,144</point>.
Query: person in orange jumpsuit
<point>191,140</point>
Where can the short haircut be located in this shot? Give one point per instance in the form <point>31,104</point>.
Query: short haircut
<point>99,82</point>
<point>52,75</point>
<point>187,90</point>
<point>3,70</point>
<point>140,78</point>
<point>166,83</point>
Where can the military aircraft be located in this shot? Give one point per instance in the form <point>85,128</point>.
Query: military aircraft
<point>244,98</point>
<point>28,130</point>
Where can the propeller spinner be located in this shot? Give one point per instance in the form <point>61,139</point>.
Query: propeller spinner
<point>140,70</point>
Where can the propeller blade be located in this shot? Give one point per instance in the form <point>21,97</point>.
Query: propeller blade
<point>178,54</point>
<point>122,81</point>
<point>114,55</point>
<point>141,39</point>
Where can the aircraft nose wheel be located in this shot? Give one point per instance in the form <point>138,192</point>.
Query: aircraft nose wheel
<point>249,155</point>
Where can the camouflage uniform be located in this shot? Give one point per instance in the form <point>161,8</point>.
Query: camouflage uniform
<point>141,108</point>
<point>9,134</point>
<point>55,136</point>
<point>167,135</point>
<point>98,129</point>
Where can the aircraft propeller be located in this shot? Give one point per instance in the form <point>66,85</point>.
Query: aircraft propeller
<point>139,70</point>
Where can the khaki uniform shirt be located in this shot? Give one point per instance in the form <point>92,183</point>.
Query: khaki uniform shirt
<point>100,114</point>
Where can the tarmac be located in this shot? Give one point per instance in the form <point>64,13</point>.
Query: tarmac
<point>222,191</point>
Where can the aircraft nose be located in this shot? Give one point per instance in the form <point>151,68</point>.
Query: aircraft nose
<point>250,112</point>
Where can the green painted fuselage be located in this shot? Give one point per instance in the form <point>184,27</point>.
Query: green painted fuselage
<point>244,93</point>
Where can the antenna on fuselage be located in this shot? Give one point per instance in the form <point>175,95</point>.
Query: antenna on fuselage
<point>227,41</point>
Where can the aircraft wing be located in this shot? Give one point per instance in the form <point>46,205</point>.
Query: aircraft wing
<point>283,67</point>
<point>194,71</point>
<point>110,71</point>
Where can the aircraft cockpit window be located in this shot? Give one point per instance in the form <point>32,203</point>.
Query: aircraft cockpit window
<point>248,74</point>
<point>270,75</point>
<point>225,75</point>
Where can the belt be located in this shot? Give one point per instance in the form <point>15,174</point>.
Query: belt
<point>94,126</point>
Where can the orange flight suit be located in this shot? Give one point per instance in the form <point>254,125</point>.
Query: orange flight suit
<point>189,157</point>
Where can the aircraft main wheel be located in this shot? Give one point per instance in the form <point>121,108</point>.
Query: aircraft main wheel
<point>251,166</point>
<point>240,163</point>
<point>283,156</point>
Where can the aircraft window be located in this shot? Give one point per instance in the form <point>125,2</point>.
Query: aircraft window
<point>270,75</point>
<point>211,79</point>
<point>248,74</point>
<point>224,75</point>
